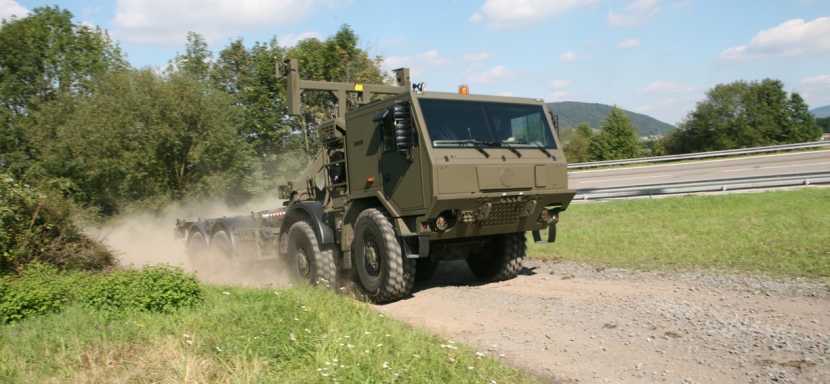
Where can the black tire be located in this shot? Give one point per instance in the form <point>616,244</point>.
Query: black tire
<point>307,261</point>
<point>425,268</point>
<point>221,248</point>
<point>501,260</point>
<point>197,250</point>
<point>383,271</point>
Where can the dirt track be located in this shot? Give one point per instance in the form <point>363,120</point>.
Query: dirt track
<point>565,323</point>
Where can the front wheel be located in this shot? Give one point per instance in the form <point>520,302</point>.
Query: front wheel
<point>500,260</point>
<point>384,273</point>
<point>307,260</point>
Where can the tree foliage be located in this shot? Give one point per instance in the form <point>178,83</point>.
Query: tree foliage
<point>824,123</point>
<point>743,115</point>
<point>44,57</point>
<point>617,139</point>
<point>577,149</point>
<point>142,139</point>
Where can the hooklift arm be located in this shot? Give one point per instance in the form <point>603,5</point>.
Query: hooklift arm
<point>290,70</point>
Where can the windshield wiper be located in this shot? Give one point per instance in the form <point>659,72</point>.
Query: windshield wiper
<point>464,142</point>
<point>510,147</point>
<point>536,143</point>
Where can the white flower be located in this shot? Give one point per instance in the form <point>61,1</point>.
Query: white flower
<point>417,356</point>
<point>186,335</point>
<point>349,346</point>
<point>292,337</point>
<point>368,333</point>
<point>227,293</point>
<point>379,345</point>
<point>479,353</point>
<point>469,367</point>
<point>217,348</point>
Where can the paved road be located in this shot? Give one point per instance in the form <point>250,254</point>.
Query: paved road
<point>781,164</point>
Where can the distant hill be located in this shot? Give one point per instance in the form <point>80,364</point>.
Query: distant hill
<point>572,113</point>
<point>818,112</point>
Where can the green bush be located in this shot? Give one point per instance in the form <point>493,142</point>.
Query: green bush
<point>155,288</point>
<point>40,289</point>
<point>38,226</point>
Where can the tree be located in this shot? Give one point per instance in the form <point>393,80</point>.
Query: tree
<point>745,114</point>
<point>141,139</point>
<point>824,123</point>
<point>576,151</point>
<point>196,60</point>
<point>617,139</point>
<point>45,56</point>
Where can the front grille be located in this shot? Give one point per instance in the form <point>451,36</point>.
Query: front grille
<point>504,210</point>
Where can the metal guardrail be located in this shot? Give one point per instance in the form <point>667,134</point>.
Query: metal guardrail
<point>713,185</point>
<point>702,155</point>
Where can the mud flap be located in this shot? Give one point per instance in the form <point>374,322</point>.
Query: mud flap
<point>423,247</point>
<point>551,235</point>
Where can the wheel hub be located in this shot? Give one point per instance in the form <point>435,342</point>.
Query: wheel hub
<point>302,261</point>
<point>371,252</point>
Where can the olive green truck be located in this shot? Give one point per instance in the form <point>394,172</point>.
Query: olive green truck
<point>402,183</point>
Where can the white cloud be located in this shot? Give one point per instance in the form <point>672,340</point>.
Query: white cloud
<point>822,81</point>
<point>505,15</point>
<point>566,96</point>
<point>166,23</point>
<point>11,7</point>
<point>483,56</point>
<point>291,40</point>
<point>593,43</point>
<point>816,90</point>
<point>794,38</point>
<point>636,13</point>
<point>572,56</point>
<point>559,84</point>
<point>393,42</point>
<point>417,64</point>
<point>495,74</point>
<point>628,44</point>
<point>663,87</point>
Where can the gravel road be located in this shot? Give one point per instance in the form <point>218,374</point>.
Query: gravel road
<point>566,322</point>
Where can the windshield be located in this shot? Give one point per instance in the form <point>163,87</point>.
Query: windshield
<point>451,123</point>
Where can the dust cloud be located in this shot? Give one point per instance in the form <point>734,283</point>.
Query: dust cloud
<point>141,238</point>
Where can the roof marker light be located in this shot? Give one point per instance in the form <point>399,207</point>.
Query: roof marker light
<point>464,90</point>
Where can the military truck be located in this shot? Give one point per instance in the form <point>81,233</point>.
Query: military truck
<point>402,183</point>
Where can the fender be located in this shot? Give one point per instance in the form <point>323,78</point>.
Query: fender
<point>312,211</point>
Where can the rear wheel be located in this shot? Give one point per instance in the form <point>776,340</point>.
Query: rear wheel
<point>500,260</point>
<point>307,260</point>
<point>221,248</point>
<point>197,250</point>
<point>384,273</point>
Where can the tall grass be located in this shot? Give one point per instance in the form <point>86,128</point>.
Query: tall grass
<point>785,232</point>
<point>240,335</point>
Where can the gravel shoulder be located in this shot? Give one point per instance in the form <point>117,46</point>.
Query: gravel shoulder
<point>566,322</point>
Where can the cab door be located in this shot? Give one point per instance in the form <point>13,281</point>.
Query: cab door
<point>401,177</point>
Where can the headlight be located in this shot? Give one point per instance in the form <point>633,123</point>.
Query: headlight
<point>441,223</point>
<point>545,215</point>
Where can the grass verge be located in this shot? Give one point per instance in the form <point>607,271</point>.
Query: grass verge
<point>785,232</point>
<point>240,335</point>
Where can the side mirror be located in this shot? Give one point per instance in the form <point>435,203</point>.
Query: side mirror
<point>555,119</point>
<point>404,135</point>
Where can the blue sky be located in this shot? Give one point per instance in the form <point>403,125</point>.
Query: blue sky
<point>656,57</point>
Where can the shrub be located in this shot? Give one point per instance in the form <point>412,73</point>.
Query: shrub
<point>37,226</point>
<point>40,289</point>
<point>160,288</point>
